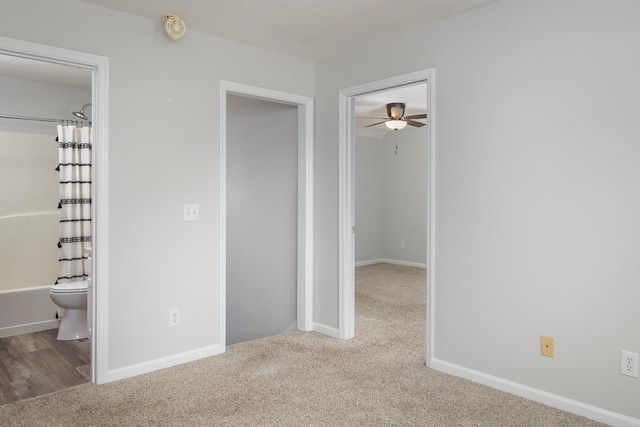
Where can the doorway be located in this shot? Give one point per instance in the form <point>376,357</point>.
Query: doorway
<point>98,66</point>
<point>261,218</point>
<point>347,219</point>
<point>302,110</point>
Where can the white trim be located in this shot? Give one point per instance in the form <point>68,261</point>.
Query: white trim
<point>326,330</point>
<point>164,362</point>
<point>346,219</point>
<point>550,399</point>
<point>391,261</point>
<point>100,226</point>
<point>222,291</point>
<point>305,196</point>
<point>431,216</point>
<point>27,328</point>
<point>305,216</point>
<point>346,216</point>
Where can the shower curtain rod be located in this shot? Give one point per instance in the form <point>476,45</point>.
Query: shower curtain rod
<point>39,119</point>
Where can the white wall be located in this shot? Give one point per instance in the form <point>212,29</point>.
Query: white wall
<point>391,196</point>
<point>29,250</point>
<point>29,218</point>
<point>536,197</point>
<point>369,198</point>
<point>27,171</point>
<point>405,195</point>
<point>35,99</point>
<point>163,152</point>
<point>536,180</point>
<point>262,225</point>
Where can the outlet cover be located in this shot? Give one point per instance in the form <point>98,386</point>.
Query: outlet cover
<point>546,346</point>
<point>629,363</point>
<point>174,317</point>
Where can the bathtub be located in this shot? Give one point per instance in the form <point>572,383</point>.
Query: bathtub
<point>28,267</point>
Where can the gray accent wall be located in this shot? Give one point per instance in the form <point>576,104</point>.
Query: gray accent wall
<point>262,185</point>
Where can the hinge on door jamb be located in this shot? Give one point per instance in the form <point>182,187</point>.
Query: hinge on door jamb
<point>353,229</point>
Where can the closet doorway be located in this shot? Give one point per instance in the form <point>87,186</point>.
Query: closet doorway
<point>266,212</point>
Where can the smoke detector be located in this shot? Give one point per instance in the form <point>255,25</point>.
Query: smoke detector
<point>174,26</point>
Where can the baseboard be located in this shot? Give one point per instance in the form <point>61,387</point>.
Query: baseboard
<point>10,331</point>
<point>391,261</point>
<point>162,363</point>
<point>368,262</point>
<point>549,399</point>
<point>326,330</point>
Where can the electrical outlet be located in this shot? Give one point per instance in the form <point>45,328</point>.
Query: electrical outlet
<point>547,346</point>
<point>629,363</point>
<point>174,317</point>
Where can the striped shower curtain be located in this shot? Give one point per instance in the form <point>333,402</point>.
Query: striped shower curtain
<point>74,157</point>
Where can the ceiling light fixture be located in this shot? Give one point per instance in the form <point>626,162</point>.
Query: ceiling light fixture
<point>395,124</point>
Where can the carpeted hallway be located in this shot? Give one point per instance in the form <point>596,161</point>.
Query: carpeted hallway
<point>304,379</point>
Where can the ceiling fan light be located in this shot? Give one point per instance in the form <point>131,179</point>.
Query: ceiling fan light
<point>395,124</point>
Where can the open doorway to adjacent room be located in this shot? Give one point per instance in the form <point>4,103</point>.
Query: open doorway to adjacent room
<point>391,210</point>
<point>386,201</point>
<point>48,92</point>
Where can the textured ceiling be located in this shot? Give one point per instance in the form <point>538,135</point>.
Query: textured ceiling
<point>309,29</point>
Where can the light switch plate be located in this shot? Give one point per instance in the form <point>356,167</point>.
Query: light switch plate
<point>191,212</point>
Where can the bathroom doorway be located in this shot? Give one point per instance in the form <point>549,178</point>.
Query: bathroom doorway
<point>36,98</point>
<point>41,87</point>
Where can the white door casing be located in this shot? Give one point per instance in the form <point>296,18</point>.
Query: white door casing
<point>346,206</point>
<point>99,66</point>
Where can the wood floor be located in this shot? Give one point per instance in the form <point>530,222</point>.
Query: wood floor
<point>37,363</point>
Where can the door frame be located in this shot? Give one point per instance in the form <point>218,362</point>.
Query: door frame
<point>346,204</point>
<point>99,65</point>
<point>305,197</point>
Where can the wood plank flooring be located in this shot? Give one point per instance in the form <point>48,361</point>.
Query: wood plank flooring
<point>37,363</point>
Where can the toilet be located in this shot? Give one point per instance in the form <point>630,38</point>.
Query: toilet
<point>73,298</point>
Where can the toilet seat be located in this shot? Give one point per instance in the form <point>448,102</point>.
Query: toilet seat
<point>69,288</point>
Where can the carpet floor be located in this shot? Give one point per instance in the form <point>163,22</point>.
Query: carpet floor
<point>299,378</point>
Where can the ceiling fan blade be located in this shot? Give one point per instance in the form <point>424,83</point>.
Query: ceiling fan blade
<point>375,124</point>
<point>414,123</point>
<point>416,116</point>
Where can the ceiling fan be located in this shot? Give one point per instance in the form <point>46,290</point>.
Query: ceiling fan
<point>397,120</point>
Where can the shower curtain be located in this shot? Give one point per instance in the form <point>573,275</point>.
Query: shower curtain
<point>74,156</point>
